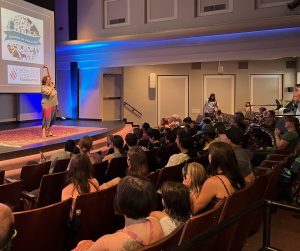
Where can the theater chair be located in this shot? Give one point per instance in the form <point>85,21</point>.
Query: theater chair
<point>43,228</point>
<point>167,243</point>
<point>171,173</point>
<point>61,165</point>
<point>94,214</point>
<point>11,193</point>
<point>49,191</point>
<point>153,176</point>
<point>199,224</point>
<point>116,168</point>
<point>2,174</point>
<point>32,175</point>
<point>99,171</point>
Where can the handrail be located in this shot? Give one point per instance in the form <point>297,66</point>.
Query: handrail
<point>138,113</point>
<point>233,219</point>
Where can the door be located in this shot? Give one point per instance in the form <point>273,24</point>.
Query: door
<point>223,87</point>
<point>112,90</point>
<point>265,89</point>
<point>172,96</point>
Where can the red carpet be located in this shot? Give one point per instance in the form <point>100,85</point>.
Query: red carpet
<point>33,135</point>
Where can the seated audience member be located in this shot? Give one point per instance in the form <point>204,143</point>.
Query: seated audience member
<point>154,138</point>
<point>80,180</point>
<point>288,140</point>
<point>139,134</point>
<point>209,135</point>
<point>194,175</point>
<point>137,162</point>
<point>184,142</point>
<point>176,201</point>
<point>135,199</point>
<point>260,114</point>
<point>224,179</point>
<point>163,124</point>
<point>131,141</point>
<point>109,142</point>
<point>145,128</point>
<point>234,137</point>
<point>187,122</point>
<point>268,121</point>
<point>85,146</point>
<point>219,116</point>
<point>248,107</point>
<point>119,151</point>
<point>7,231</point>
<point>238,120</point>
<point>170,147</point>
<point>67,153</point>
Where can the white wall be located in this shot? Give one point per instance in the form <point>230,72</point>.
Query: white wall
<point>136,82</point>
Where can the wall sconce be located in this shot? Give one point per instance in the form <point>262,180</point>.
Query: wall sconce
<point>152,80</point>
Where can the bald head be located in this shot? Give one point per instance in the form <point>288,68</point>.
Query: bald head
<point>6,224</point>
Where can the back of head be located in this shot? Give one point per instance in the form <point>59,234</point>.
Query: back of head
<point>70,145</point>
<point>223,159</point>
<point>170,135</point>
<point>86,144</point>
<point>153,134</point>
<point>80,171</point>
<point>138,132</point>
<point>138,165</point>
<point>6,226</point>
<point>176,199</point>
<point>145,126</point>
<point>118,142</point>
<point>197,175</point>
<point>185,139</point>
<point>135,198</point>
<point>131,139</point>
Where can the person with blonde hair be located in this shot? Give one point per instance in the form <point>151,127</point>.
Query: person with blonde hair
<point>194,175</point>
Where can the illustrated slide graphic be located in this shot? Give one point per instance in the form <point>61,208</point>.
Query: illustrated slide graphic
<point>22,37</point>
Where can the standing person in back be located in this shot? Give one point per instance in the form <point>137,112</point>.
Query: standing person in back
<point>49,104</point>
<point>211,105</point>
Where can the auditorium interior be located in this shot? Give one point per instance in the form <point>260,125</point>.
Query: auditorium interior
<point>121,63</point>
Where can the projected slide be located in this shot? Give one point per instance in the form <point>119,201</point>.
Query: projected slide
<point>26,44</point>
<point>22,37</point>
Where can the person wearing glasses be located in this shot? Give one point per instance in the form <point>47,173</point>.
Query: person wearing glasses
<point>7,231</point>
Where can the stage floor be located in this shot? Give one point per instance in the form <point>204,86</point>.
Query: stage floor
<point>105,128</point>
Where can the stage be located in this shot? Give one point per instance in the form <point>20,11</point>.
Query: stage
<point>19,150</point>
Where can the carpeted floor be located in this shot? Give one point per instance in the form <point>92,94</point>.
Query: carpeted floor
<point>32,135</point>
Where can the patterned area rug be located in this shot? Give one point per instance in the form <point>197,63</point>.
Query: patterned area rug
<point>33,135</point>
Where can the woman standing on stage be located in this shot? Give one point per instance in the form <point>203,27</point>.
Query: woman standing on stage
<point>211,105</point>
<point>49,104</point>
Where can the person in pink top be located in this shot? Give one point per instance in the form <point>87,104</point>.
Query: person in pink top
<point>135,199</point>
<point>80,178</point>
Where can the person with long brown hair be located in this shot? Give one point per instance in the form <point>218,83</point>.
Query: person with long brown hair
<point>80,179</point>
<point>224,178</point>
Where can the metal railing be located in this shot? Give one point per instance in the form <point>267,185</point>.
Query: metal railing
<point>132,109</point>
<point>267,204</point>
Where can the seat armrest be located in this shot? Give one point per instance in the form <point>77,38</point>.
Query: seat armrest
<point>10,180</point>
<point>29,200</point>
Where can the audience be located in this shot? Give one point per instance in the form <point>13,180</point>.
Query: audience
<point>109,142</point>
<point>131,141</point>
<point>80,180</point>
<point>175,198</point>
<point>234,137</point>
<point>85,146</point>
<point>185,144</point>
<point>224,178</point>
<point>194,176</point>
<point>118,144</point>
<point>288,140</point>
<point>135,199</point>
<point>137,162</point>
<point>154,138</point>
<point>7,231</point>
<point>69,151</point>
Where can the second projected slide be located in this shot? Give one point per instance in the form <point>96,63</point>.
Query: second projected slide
<point>22,37</point>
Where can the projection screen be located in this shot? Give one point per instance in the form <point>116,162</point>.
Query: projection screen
<point>27,43</point>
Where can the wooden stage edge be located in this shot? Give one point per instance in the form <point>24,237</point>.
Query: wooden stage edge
<point>11,160</point>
